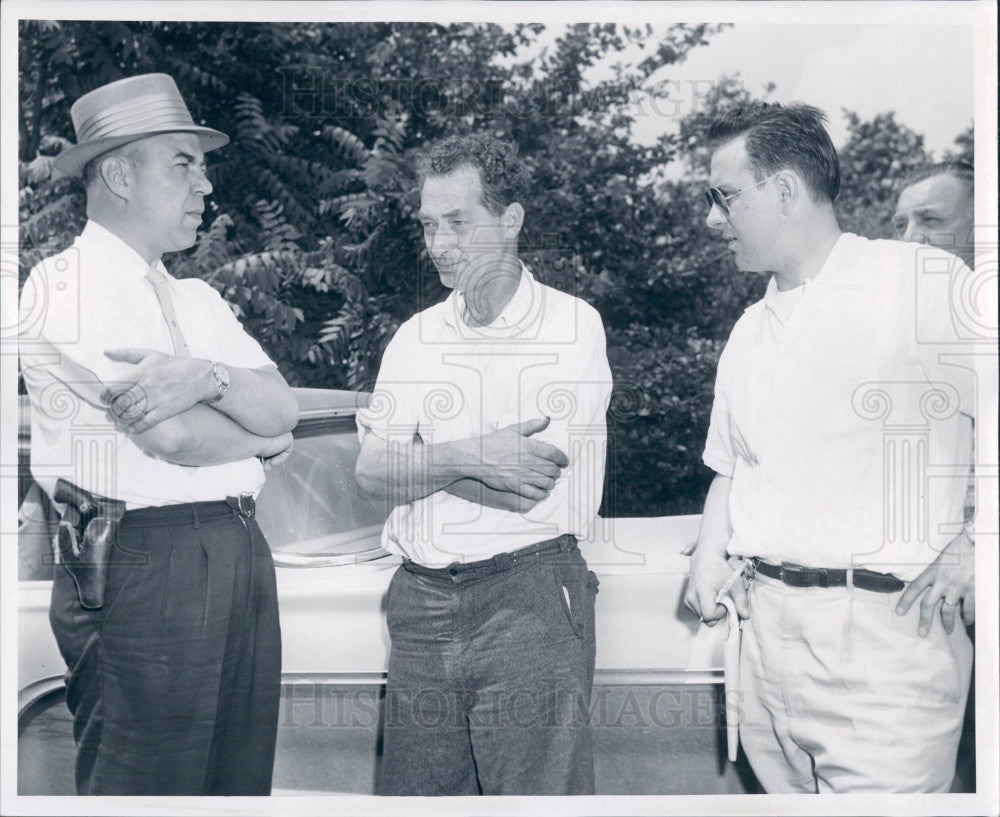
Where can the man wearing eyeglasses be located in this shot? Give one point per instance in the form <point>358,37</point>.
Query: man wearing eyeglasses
<point>820,437</point>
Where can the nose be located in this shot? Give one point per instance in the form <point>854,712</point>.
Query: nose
<point>716,219</point>
<point>441,241</point>
<point>914,232</point>
<point>201,185</point>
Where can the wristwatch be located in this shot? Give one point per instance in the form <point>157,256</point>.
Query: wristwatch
<point>221,375</point>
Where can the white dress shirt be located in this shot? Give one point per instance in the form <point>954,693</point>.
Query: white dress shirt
<point>544,355</point>
<point>94,297</point>
<point>842,413</point>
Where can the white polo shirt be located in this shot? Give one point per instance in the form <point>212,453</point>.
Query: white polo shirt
<point>842,413</point>
<point>544,355</point>
<point>93,297</point>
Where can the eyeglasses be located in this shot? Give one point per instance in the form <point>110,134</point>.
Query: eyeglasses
<point>716,198</point>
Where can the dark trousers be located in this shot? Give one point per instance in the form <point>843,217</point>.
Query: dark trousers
<point>174,684</point>
<point>490,675</point>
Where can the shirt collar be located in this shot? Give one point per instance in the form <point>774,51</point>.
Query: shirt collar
<point>519,312</point>
<point>834,266</point>
<point>115,253</point>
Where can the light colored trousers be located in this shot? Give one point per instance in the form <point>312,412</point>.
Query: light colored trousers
<point>840,694</point>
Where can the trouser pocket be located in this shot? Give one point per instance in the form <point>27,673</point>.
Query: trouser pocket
<point>576,587</point>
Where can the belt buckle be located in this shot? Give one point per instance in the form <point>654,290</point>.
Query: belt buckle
<point>800,576</point>
<point>245,504</point>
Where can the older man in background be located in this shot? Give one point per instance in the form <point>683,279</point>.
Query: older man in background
<point>937,206</point>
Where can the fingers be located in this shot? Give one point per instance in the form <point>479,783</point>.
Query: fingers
<point>529,491</point>
<point>545,483</point>
<point>948,610</point>
<point>127,407</point>
<point>928,607</point>
<point>529,427</point>
<point>969,608</point>
<point>146,422</point>
<point>129,354</point>
<point>518,504</point>
<point>550,453</point>
<point>700,600</point>
<point>913,591</point>
<point>738,593</point>
<point>277,460</point>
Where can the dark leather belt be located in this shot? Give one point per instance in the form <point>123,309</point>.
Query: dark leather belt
<point>798,576</point>
<point>192,513</point>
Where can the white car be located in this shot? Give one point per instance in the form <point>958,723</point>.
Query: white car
<point>657,713</point>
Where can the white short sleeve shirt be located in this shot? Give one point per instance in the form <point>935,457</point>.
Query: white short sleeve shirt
<point>544,355</point>
<point>842,413</point>
<point>82,302</point>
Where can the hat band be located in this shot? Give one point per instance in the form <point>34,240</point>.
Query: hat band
<point>135,116</point>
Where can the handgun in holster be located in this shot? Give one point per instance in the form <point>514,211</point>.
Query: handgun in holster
<point>88,532</point>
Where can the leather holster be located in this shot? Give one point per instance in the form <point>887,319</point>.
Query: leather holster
<point>88,533</point>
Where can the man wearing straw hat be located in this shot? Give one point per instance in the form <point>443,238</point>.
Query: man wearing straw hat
<point>153,417</point>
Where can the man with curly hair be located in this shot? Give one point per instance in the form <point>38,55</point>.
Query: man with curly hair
<point>486,436</point>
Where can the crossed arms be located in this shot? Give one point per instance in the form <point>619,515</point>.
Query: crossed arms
<point>162,406</point>
<point>505,469</point>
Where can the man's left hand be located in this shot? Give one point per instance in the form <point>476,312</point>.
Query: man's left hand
<point>160,387</point>
<point>950,583</point>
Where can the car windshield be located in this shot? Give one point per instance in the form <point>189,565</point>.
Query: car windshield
<point>310,504</point>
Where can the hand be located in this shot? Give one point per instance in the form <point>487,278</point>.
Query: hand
<point>950,583</point>
<point>277,460</point>
<point>275,450</point>
<point>509,460</point>
<point>473,490</point>
<point>705,579</point>
<point>161,386</point>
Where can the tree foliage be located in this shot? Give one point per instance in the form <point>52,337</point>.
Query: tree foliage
<point>876,156</point>
<point>310,231</point>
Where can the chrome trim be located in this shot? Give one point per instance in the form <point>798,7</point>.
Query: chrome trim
<point>282,559</point>
<point>333,678</point>
<point>36,690</point>
<point>656,677</point>
<point>326,413</point>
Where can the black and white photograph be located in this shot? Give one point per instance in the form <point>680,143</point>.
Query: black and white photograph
<point>517,408</point>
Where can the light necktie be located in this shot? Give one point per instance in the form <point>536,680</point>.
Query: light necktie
<point>162,289</point>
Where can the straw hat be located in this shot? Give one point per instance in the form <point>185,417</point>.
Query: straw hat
<point>125,111</point>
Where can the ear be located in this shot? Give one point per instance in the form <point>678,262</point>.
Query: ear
<point>117,175</point>
<point>512,219</point>
<point>790,189</point>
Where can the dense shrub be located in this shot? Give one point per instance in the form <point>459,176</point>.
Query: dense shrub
<point>310,232</point>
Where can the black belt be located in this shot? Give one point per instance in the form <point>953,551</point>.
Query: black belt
<point>500,562</point>
<point>192,513</point>
<point>798,576</point>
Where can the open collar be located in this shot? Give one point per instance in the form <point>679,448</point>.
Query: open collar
<point>521,310</point>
